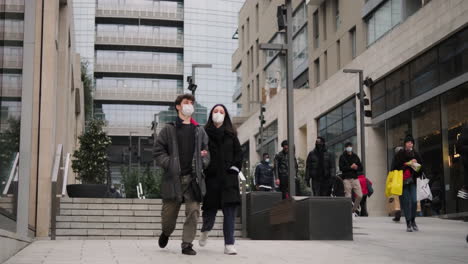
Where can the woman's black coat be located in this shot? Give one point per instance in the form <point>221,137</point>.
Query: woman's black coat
<point>222,182</point>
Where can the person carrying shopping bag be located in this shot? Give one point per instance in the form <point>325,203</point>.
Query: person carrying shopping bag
<point>222,182</point>
<point>409,161</point>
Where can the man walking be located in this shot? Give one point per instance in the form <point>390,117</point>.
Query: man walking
<point>182,151</point>
<point>264,178</point>
<point>351,168</point>
<point>282,169</point>
<point>320,167</point>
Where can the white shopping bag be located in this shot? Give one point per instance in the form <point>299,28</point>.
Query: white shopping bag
<point>423,189</point>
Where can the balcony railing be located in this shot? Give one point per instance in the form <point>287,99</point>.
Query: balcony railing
<point>11,62</point>
<point>10,91</point>
<point>139,12</point>
<point>139,40</point>
<point>12,6</point>
<point>139,68</point>
<point>18,36</point>
<point>120,94</point>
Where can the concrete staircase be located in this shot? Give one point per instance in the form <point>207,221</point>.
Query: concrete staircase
<point>90,218</point>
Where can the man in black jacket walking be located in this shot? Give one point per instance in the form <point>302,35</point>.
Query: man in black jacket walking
<point>282,169</point>
<point>182,151</point>
<point>351,167</point>
<point>264,175</point>
<point>320,167</point>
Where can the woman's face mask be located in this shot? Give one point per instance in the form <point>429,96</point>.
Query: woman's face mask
<point>349,149</point>
<point>218,118</point>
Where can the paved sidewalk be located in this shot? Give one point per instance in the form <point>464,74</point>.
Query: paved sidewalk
<point>376,240</point>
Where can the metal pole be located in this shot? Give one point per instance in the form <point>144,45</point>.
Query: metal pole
<point>130,152</point>
<point>139,157</point>
<point>362,125</point>
<point>193,78</point>
<point>290,99</point>
<point>261,132</point>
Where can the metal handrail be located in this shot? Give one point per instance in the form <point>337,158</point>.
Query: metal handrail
<point>57,169</point>
<point>13,175</point>
<point>65,175</point>
<point>243,182</point>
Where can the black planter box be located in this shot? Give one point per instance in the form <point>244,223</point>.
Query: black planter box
<point>87,190</point>
<point>259,201</point>
<point>305,218</point>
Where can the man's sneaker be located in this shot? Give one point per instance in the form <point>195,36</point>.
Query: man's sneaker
<point>230,250</point>
<point>163,239</point>
<point>463,193</point>
<point>203,238</point>
<point>355,215</point>
<point>414,226</point>
<point>188,250</point>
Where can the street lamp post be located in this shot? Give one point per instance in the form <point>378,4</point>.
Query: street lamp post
<point>361,115</point>
<point>287,48</point>
<point>191,79</point>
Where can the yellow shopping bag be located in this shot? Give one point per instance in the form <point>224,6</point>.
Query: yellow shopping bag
<point>394,185</point>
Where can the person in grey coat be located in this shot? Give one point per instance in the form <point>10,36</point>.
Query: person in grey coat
<point>182,151</point>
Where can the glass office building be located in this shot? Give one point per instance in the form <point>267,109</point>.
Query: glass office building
<point>208,29</point>
<point>140,53</point>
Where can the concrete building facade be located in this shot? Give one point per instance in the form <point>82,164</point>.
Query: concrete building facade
<point>404,46</point>
<point>42,106</point>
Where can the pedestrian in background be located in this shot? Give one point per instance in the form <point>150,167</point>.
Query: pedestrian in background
<point>462,147</point>
<point>320,167</point>
<point>351,167</point>
<point>222,177</point>
<point>281,168</point>
<point>409,161</point>
<point>264,178</point>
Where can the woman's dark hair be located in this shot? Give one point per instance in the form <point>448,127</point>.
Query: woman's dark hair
<point>227,121</point>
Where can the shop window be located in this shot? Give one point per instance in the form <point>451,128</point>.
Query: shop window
<point>424,73</point>
<point>397,88</point>
<point>378,98</point>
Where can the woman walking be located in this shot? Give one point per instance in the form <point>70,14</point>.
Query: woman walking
<point>410,162</point>
<point>222,183</point>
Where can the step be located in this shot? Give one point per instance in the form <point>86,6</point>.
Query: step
<point>124,219</point>
<point>155,238</point>
<point>154,226</point>
<point>128,232</point>
<point>109,201</point>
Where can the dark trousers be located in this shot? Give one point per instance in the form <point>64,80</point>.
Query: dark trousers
<point>364,206</point>
<point>321,188</point>
<point>465,165</point>
<point>409,202</point>
<point>229,222</point>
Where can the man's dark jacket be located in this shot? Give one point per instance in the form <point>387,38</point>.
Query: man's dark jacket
<point>346,161</point>
<point>166,155</point>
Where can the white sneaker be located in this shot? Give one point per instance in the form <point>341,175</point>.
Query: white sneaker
<point>203,238</point>
<point>230,250</point>
<point>354,216</point>
<point>462,194</point>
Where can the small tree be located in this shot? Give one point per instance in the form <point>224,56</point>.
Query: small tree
<point>90,159</point>
<point>9,146</point>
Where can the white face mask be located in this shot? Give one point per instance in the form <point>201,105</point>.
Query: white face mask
<point>267,160</point>
<point>349,149</point>
<point>187,110</point>
<point>218,118</point>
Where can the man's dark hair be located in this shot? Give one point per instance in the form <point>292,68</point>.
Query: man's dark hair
<point>181,97</point>
<point>321,139</point>
<point>266,154</point>
<point>348,144</point>
<point>284,143</point>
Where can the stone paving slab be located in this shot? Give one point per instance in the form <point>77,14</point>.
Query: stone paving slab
<point>376,240</point>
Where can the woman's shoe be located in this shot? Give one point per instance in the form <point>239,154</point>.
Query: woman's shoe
<point>414,226</point>
<point>230,250</point>
<point>409,227</point>
<point>203,238</point>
